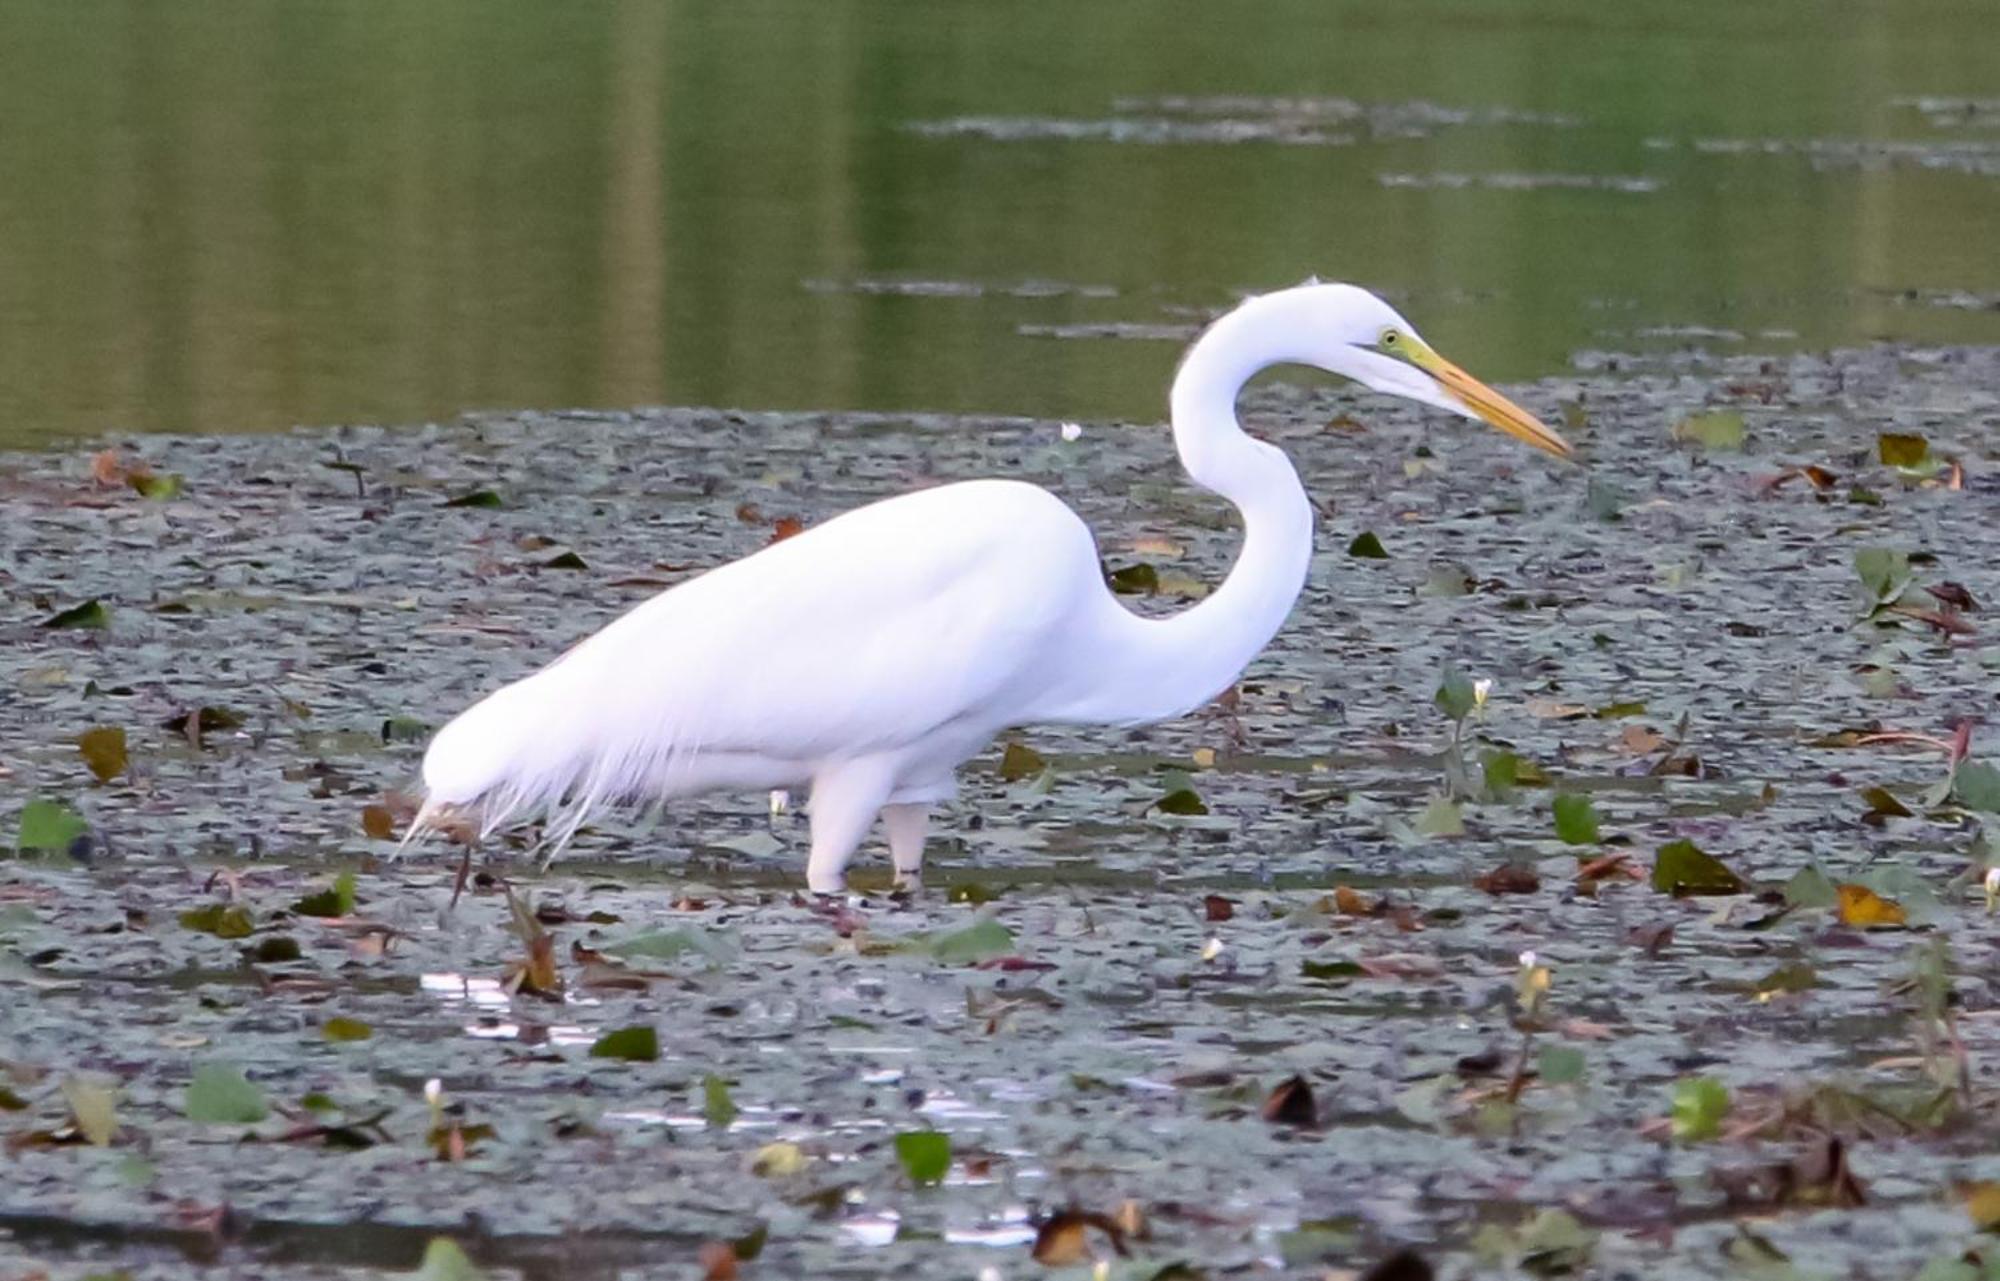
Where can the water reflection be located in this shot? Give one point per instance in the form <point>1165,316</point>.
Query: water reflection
<point>242,217</point>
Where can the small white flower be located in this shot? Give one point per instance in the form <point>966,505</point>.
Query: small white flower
<point>1211,949</point>
<point>433,1091</point>
<point>1480,689</point>
<point>989,1273</point>
<point>1072,431</point>
<point>1527,960</point>
<point>781,800</point>
<point>1993,880</point>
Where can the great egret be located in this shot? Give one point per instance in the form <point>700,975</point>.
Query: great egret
<point>871,655</point>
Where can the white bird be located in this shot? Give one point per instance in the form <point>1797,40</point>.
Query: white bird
<point>870,656</point>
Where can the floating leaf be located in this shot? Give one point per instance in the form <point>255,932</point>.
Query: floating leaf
<point>405,729</point>
<point>1901,449</point>
<point>925,1155</point>
<point>1682,867</point>
<point>1178,795</point>
<point>1884,573</point>
<point>334,901</point>
<point>158,486</point>
<point>716,1106</point>
<point>719,947</point>
<point>1560,1064</point>
<point>1723,429</point>
<point>983,938</point>
<point>277,949</point>
<point>1620,709</point>
<point>1510,878</point>
<point>1446,581</point>
<point>1882,804</point>
<point>1456,694</point>
<point>342,1028</point>
<point>1864,909</point>
<point>1135,580</point>
<point>1810,887</point>
<point>1367,546</point>
<point>475,498</point>
<point>1700,1104</point>
<point>103,750</point>
<point>565,560</point>
<point>378,822</point>
<point>1977,786</point>
<point>90,614</point>
<point>1441,817</point>
<point>94,1109</point>
<point>1292,1103</point>
<point>444,1261</point>
<point>1576,819</point>
<point>1019,761</point>
<point>220,1094</point>
<point>778,1160</point>
<point>1793,976</point>
<point>49,827</point>
<point>224,920</point>
<point>638,1044</point>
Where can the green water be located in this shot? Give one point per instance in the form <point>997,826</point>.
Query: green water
<point>227,217</point>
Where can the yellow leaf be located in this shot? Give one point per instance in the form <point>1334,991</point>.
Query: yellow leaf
<point>1982,1204</point>
<point>777,1160</point>
<point>103,749</point>
<point>378,822</point>
<point>1865,909</point>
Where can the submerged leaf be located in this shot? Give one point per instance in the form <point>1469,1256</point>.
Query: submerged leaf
<point>638,1044</point>
<point>342,1028</point>
<point>925,1155</point>
<point>224,920</point>
<point>103,750</point>
<point>1977,786</point>
<point>220,1094</point>
<point>1722,429</point>
<point>1682,868</point>
<point>1901,449</point>
<point>983,938</point>
<point>94,1109</point>
<point>1442,816</point>
<point>717,946</point>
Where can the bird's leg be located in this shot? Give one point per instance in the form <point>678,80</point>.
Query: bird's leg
<point>845,800</point>
<point>906,825</point>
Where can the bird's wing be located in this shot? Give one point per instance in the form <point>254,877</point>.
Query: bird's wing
<point>862,635</point>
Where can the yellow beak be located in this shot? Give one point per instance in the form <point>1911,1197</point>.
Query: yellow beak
<point>1489,404</point>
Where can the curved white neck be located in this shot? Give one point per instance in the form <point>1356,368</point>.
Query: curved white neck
<point>1158,668</point>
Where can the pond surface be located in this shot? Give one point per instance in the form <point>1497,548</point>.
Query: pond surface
<point>232,218</point>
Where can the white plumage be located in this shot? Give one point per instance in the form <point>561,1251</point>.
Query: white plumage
<point>871,655</point>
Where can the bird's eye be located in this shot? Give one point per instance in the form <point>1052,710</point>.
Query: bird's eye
<point>1388,340</point>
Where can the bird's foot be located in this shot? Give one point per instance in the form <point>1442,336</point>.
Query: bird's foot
<point>907,885</point>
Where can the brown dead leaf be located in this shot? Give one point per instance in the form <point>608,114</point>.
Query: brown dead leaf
<point>378,823</point>
<point>1350,902</point>
<point>1651,939</point>
<point>1218,908</point>
<point>1609,866</point>
<point>1954,595</point>
<point>718,1261</point>
<point>1640,740</point>
<point>785,527</point>
<point>1550,710</point>
<point>1401,965</point>
<point>1510,878</point>
<point>1291,1103</point>
<point>1160,548</point>
<point>1063,1239</point>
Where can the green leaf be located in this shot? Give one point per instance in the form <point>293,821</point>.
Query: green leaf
<point>1446,580</point>
<point>444,1261</point>
<point>158,486</point>
<point>1793,976</point>
<point>405,729</point>
<point>342,1028</point>
<point>103,750</point>
<point>1502,772</point>
<point>1367,546</point>
<point>718,947</point>
<point>224,920</point>
<point>1441,817</point>
<point>274,949</point>
<point>925,1154</point>
<point>337,900</point>
<point>1699,1105</point>
<point>1900,449</point>
<point>220,1094</point>
<point>1682,867</point>
<point>1019,761</point>
<point>983,938</point>
<point>94,1108</point>
<point>1884,573</point>
<point>1977,786</point>
<point>1720,430</point>
<point>1810,887</point>
<point>1576,819</point>
<point>1456,696</point>
<point>1178,795</point>
<point>716,1105</point>
<point>638,1044</point>
<point>1620,710</point>
<point>90,614</point>
<point>1135,580</point>
<point>475,498</point>
<point>1560,1064</point>
<point>49,826</point>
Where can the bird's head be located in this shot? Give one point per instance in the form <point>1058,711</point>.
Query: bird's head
<point>1351,332</point>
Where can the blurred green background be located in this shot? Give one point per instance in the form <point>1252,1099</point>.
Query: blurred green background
<point>239,216</point>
